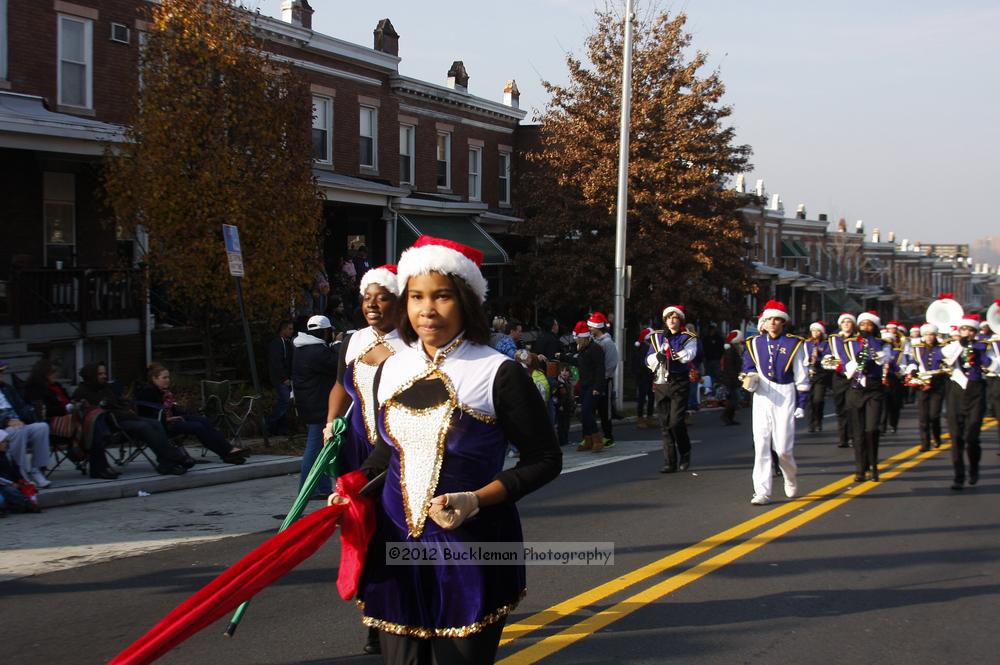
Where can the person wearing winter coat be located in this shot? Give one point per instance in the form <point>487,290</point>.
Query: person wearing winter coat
<point>314,372</point>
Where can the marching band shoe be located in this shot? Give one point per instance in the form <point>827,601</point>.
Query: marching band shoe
<point>859,477</point>
<point>372,646</point>
<point>812,429</point>
<point>758,500</point>
<point>106,474</point>
<point>791,490</point>
<point>937,443</point>
<point>668,468</point>
<point>958,484</point>
<point>843,445</point>
<point>973,477</point>
<point>874,474</point>
<point>924,447</point>
<point>685,462</point>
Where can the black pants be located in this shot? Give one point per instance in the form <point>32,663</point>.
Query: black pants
<point>478,649</point>
<point>201,428</point>
<point>645,402</point>
<point>562,424</point>
<point>929,403</point>
<point>817,398</point>
<point>993,393</point>
<point>864,407</point>
<point>893,403</point>
<point>965,418</point>
<point>841,386</point>
<point>151,433</point>
<point>604,410</point>
<point>671,407</point>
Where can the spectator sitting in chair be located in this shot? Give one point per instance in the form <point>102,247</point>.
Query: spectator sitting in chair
<point>96,392</point>
<point>155,398</point>
<point>42,388</point>
<point>19,419</point>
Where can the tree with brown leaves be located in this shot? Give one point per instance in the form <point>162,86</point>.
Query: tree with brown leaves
<point>686,240</point>
<point>220,135</point>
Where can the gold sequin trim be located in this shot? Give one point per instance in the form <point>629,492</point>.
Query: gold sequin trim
<point>368,415</point>
<point>427,633</point>
<point>478,415</point>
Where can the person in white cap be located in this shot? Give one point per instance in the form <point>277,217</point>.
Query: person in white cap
<point>847,324</point>
<point>970,361</point>
<point>448,406</point>
<point>866,398</point>
<point>670,353</point>
<point>314,372</point>
<point>817,348</point>
<point>775,371</point>
<point>925,374</point>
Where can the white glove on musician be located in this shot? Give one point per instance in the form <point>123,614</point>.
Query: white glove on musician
<point>799,413</point>
<point>750,382</point>
<point>850,369</point>
<point>449,510</point>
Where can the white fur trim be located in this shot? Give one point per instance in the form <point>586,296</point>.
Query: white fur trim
<point>772,313</point>
<point>968,323</point>
<point>382,277</point>
<point>435,258</point>
<point>580,335</point>
<point>928,329</point>
<point>845,315</point>
<point>867,316</point>
<point>817,326</point>
<point>672,310</point>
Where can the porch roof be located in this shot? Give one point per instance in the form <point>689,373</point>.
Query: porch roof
<point>26,124</point>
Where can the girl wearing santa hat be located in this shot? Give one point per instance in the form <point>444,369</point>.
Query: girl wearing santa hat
<point>866,397</point>
<point>448,405</point>
<point>819,378</point>
<point>847,324</point>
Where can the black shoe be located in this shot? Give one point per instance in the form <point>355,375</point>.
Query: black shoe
<point>874,475</point>
<point>937,444</point>
<point>187,462</point>
<point>973,477</point>
<point>235,458</point>
<point>685,462</point>
<point>819,428</point>
<point>372,647</point>
<point>812,429</point>
<point>924,447</point>
<point>843,445</point>
<point>859,477</point>
<point>171,469</point>
<point>669,468</point>
<point>895,429</point>
<point>106,474</point>
<point>958,484</point>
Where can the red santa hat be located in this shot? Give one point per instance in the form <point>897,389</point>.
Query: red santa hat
<point>818,325</point>
<point>954,332</point>
<point>847,316</point>
<point>734,337</point>
<point>384,276</point>
<point>914,328</point>
<point>597,320</point>
<point>673,309</point>
<point>581,330</point>
<point>643,334</point>
<point>774,309</point>
<point>443,256</point>
<point>969,321</point>
<point>892,325</point>
<point>928,329</point>
<point>871,316</point>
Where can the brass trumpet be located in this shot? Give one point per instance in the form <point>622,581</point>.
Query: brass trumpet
<point>923,380</point>
<point>829,362</point>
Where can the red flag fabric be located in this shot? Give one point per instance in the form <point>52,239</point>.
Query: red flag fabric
<point>270,561</point>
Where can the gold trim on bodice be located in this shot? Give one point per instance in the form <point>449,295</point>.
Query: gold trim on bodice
<point>364,385</point>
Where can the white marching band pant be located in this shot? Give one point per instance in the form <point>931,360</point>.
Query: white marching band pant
<point>773,426</point>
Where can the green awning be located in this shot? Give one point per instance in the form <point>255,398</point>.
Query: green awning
<point>793,249</point>
<point>836,302</point>
<point>460,228</point>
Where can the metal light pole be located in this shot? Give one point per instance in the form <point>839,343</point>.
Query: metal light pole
<point>622,218</point>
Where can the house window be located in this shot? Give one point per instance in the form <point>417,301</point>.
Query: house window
<point>444,160</point>
<point>59,210</point>
<point>504,178</point>
<point>75,58</point>
<point>3,40</point>
<point>369,137</point>
<point>406,153</point>
<point>475,173</point>
<point>322,130</point>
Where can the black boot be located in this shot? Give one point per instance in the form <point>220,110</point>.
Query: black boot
<point>372,646</point>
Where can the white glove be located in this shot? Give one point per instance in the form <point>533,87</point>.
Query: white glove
<point>850,369</point>
<point>70,407</point>
<point>800,413</point>
<point>750,382</point>
<point>328,432</point>
<point>951,352</point>
<point>449,510</point>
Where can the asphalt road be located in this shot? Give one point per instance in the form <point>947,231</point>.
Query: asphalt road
<point>902,571</point>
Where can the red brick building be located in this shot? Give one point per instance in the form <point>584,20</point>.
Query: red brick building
<point>394,157</point>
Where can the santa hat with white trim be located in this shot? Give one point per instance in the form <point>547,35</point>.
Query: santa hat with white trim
<point>969,321</point>
<point>429,254</point>
<point>928,329</point>
<point>734,337</point>
<point>673,309</point>
<point>774,309</point>
<point>643,334</point>
<point>847,315</point>
<point>597,320</point>
<point>915,329</point>
<point>384,276</point>
<point>818,325</point>
<point>871,316</point>
<point>892,325</point>
<point>581,330</point>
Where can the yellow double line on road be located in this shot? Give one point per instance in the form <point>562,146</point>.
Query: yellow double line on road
<point>899,463</point>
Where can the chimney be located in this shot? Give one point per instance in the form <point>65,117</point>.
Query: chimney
<point>800,211</point>
<point>511,95</point>
<point>876,236</point>
<point>891,237</point>
<point>842,225</point>
<point>859,227</point>
<point>297,12</point>
<point>822,217</point>
<point>458,78</point>
<point>741,184</point>
<point>905,245</point>
<point>776,203</point>
<point>759,189</point>
<point>386,37</point>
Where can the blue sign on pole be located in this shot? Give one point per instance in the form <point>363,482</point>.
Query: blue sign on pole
<point>231,235</point>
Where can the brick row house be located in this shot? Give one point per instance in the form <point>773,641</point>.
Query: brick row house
<point>394,157</point>
<point>820,271</point>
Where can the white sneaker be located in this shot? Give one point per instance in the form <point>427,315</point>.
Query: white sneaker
<point>791,490</point>
<point>39,479</point>
<point>760,500</point>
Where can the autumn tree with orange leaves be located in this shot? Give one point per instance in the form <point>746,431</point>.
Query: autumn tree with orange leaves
<point>220,135</point>
<point>686,240</point>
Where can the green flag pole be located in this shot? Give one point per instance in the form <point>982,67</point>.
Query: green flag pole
<point>327,463</point>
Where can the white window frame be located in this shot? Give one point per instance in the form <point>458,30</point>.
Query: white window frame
<point>328,128</point>
<point>475,177</point>
<point>411,144</point>
<point>88,60</point>
<point>447,160</point>
<point>374,137</point>
<point>3,40</point>
<point>503,197</point>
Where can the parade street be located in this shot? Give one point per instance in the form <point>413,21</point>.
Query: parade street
<point>902,571</point>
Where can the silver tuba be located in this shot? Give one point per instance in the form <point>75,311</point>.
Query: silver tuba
<point>993,317</point>
<point>944,313</point>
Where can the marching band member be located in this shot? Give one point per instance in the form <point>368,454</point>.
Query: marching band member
<point>670,352</point>
<point>848,325</point>
<point>984,331</point>
<point>866,398</point>
<point>914,338</point>
<point>448,405</point>
<point>993,377</point>
<point>774,370</point>
<point>819,377</point>
<point>966,398</point>
<point>925,364</point>
<point>894,390</point>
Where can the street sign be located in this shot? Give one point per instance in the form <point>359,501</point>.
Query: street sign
<point>231,235</point>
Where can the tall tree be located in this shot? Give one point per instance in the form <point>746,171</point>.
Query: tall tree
<point>220,135</point>
<point>686,240</point>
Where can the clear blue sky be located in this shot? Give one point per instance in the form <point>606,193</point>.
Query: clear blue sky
<point>881,111</point>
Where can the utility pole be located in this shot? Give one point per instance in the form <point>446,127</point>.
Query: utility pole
<point>622,219</point>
